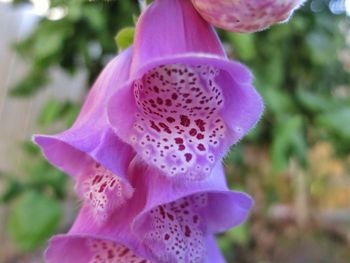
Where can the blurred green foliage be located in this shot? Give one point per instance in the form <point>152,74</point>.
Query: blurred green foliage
<point>297,70</point>
<point>33,217</point>
<point>35,200</point>
<point>83,39</point>
<point>299,74</point>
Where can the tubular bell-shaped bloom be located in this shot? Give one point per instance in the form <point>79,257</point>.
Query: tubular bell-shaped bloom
<point>90,151</point>
<point>178,216</point>
<point>246,15</point>
<point>185,103</point>
<point>161,222</point>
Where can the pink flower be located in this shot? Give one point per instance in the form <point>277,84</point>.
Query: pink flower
<point>90,151</point>
<point>246,15</point>
<point>131,211</point>
<point>184,103</point>
<point>162,222</point>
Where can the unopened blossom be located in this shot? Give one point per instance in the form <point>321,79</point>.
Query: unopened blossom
<point>246,15</point>
<point>90,151</point>
<point>184,103</point>
<point>162,222</point>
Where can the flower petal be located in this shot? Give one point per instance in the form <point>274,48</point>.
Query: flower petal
<point>182,117</point>
<point>87,249</point>
<point>102,190</point>
<point>214,253</point>
<point>246,15</point>
<point>171,27</point>
<point>167,220</point>
<point>90,137</point>
<point>178,217</point>
<point>185,104</point>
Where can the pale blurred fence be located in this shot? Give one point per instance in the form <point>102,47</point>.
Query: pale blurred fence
<point>18,116</point>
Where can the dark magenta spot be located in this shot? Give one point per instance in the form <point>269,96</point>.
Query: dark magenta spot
<point>159,101</point>
<point>170,119</point>
<point>187,231</point>
<point>168,102</point>
<point>201,147</point>
<point>124,252</point>
<point>165,127</point>
<point>154,126</point>
<point>200,136</point>
<point>184,120</point>
<point>179,140</point>
<point>193,132</point>
<point>188,157</point>
<point>200,123</point>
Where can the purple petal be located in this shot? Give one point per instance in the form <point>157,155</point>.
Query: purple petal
<point>214,254</point>
<point>167,220</point>
<point>90,151</point>
<point>102,190</point>
<point>248,15</point>
<point>178,217</point>
<point>170,27</point>
<point>90,137</point>
<point>87,249</point>
<point>116,229</point>
<point>180,110</point>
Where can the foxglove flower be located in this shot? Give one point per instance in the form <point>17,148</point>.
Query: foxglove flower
<point>90,151</point>
<point>162,222</point>
<point>185,103</point>
<point>88,249</point>
<point>178,216</point>
<point>246,15</point>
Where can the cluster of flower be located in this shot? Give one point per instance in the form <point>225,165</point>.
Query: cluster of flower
<point>146,149</point>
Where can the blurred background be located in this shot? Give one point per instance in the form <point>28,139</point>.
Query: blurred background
<point>295,164</point>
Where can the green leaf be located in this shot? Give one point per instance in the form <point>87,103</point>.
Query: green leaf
<point>288,140</point>
<point>125,38</point>
<point>277,101</point>
<point>243,45</point>
<point>30,148</point>
<point>43,176</point>
<point>50,113</point>
<point>31,83</point>
<point>320,47</point>
<point>10,187</point>
<point>33,218</point>
<point>94,17</point>
<point>239,234</point>
<point>72,113</point>
<point>337,122</point>
<point>313,101</point>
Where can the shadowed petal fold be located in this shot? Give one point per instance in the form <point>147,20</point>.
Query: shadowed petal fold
<point>185,103</point>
